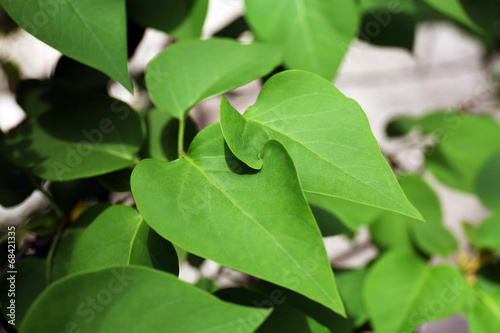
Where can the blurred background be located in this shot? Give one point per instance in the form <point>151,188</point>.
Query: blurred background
<point>447,69</point>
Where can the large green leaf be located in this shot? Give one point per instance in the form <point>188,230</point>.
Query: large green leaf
<point>180,19</point>
<point>390,230</point>
<point>120,236</point>
<point>134,299</point>
<point>62,256</point>
<point>92,138</point>
<point>488,182</point>
<point>350,284</point>
<point>317,33</point>
<point>212,205</point>
<point>328,137</point>
<point>190,71</point>
<point>91,31</point>
<point>401,292</point>
<point>455,10</point>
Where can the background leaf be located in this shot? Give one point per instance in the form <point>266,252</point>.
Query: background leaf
<point>133,242</point>
<point>455,10</point>
<point>401,283</point>
<point>90,139</point>
<point>488,182</point>
<point>316,33</point>
<point>190,71</point>
<point>256,222</point>
<point>134,299</point>
<point>97,38</point>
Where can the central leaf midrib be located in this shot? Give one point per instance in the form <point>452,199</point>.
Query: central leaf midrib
<point>261,226</point>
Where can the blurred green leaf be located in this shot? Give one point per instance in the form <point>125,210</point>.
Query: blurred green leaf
<point>15,185</point>
<point>350,286</point>
<point>488,182</point>
<point>134,299</point>
<point>401,292</point>
<point>316,33</point>
<point>128,240</point>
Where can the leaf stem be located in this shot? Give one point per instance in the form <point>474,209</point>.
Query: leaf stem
<point>47,196</point>
<point>180,139</point>
<point>53,248</point>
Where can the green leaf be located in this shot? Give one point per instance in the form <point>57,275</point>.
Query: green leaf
<point>120,236</point>
<point>484,315</point>
<point>190,71</point>
<point>401,283</point>
<point>487,233</point>
<point>180,19</point>
<point>316,33</point>
<point>96,137</point>
<point>455,10</point>
<point>69,238</point>
<point>97,38</point>
<point>350,284</point>
<point>284,318</point>
<point>465,144</point>
<point>15,185</point>
<point>390,231</point>
<point>29,282</point>
<point>134,299</point>
<point>162,132</point>
<point>328,137</point>
<point>488,182</point>
<point>256,222</point>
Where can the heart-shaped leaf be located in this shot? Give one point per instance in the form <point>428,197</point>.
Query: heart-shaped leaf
<point>316,33</point>
<point>190,71</point>
<point>120,236</point>
<point>134,299</point>
<point>93,138</point>
<point>483,315</point>
<point>97,38</point>
<point>401,283</point>
<point>212,205</point>
<point>328,137</point>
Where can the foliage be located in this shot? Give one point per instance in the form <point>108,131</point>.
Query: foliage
<point>255,192</point>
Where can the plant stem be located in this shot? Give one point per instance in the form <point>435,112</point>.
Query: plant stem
<point>180,139</point>
<point>47,196</point>
<point>53,248</point>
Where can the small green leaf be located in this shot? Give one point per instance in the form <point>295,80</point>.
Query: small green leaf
<point>190,71</point>
<point>256,222</point>
<point>120,236</point>
<point>180,19</point>
<point>96,137</point>
<point>69,238</point>
<point>316,33</point>
<point>97,38</point>
<point>400,283</point>
<point>455,10</point>
<point>328,137</point>
<point>488,182</point>
<point>136,300</point>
